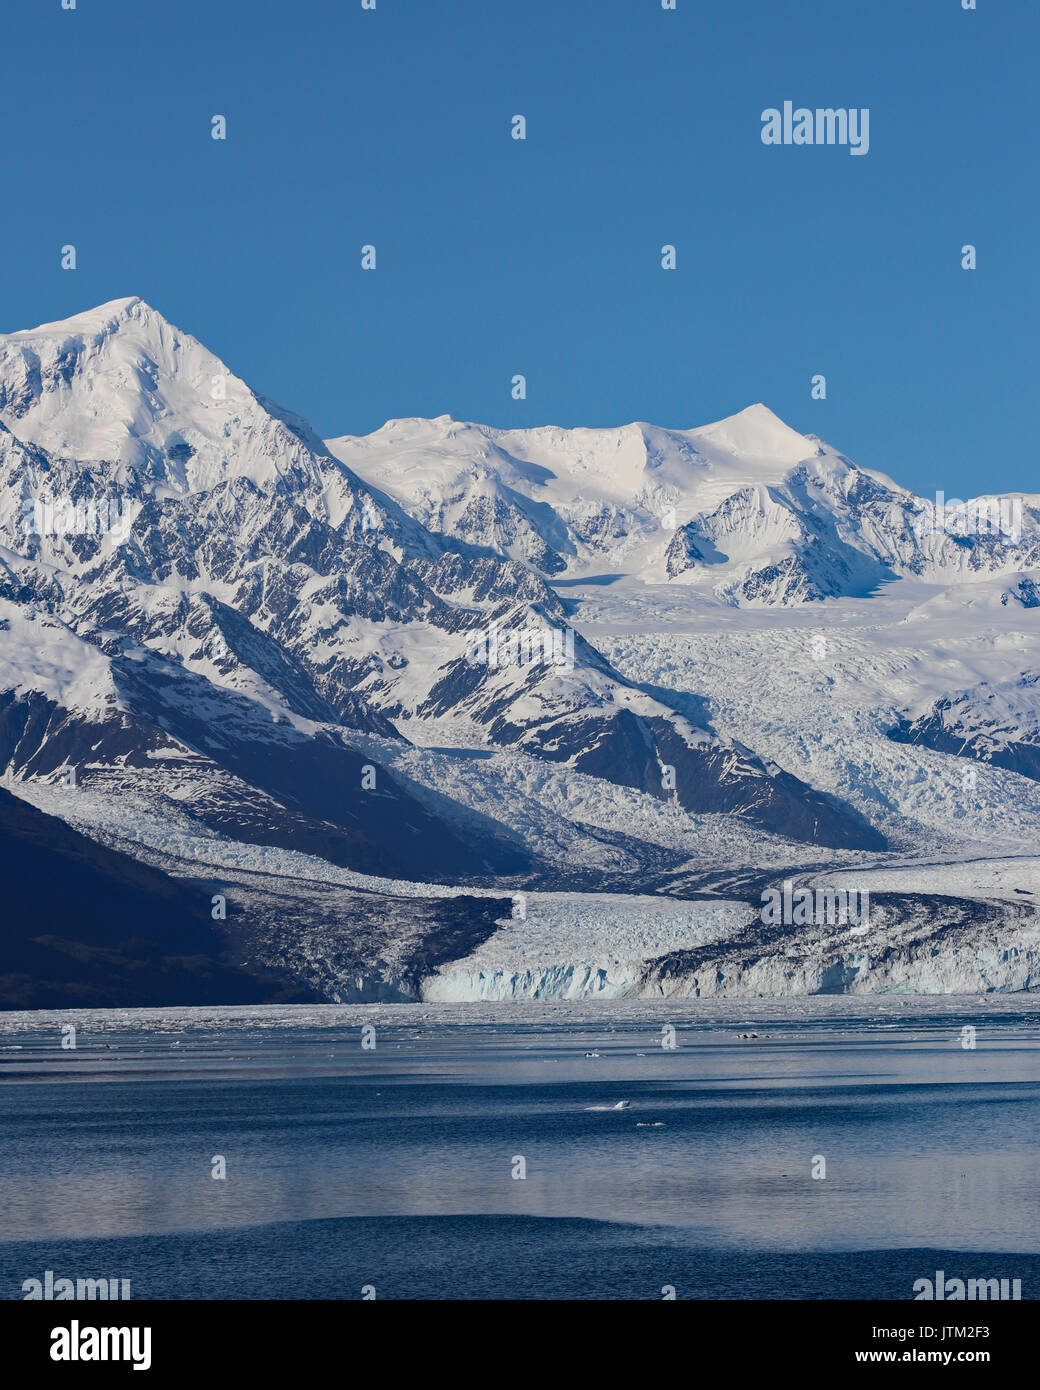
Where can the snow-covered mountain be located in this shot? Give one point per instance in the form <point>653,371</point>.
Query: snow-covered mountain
<point>367,692</point>
<point>994,722</point>
<point>247,560</point>
<point>746,509</point>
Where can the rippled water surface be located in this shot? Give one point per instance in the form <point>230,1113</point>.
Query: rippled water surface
<point>392,1167</point>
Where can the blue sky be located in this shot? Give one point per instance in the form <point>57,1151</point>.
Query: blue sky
<point>542,257</point>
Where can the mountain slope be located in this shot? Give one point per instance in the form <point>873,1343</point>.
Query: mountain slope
<point>214,550</point>
<point>86,926</point>
<point>995,723</point>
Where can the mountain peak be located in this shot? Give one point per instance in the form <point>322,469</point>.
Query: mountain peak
<point>121,385</point>
<point>756,432</point>
<point>94,322</point>
<point>758,411</point>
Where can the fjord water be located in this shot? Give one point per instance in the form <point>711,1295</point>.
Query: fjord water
<point>392,1167</point>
